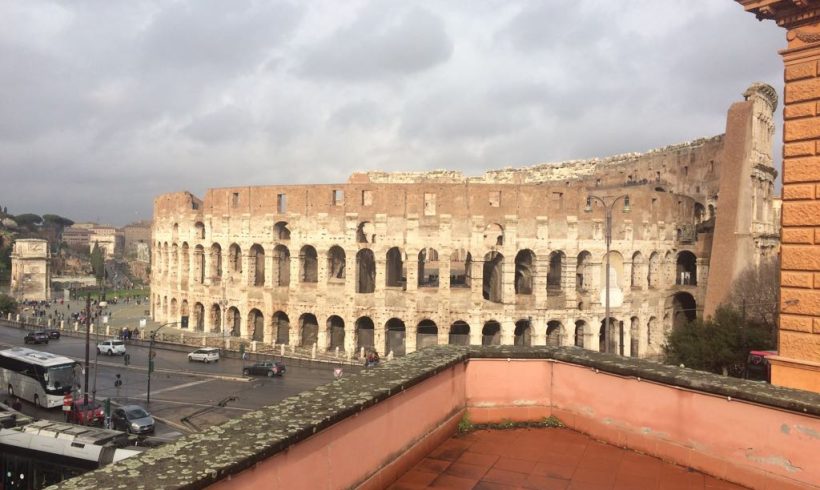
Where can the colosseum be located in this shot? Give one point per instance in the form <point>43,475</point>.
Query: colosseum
<point>399,261</point>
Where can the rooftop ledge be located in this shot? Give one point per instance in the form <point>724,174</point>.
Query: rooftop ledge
<point>223,453</point>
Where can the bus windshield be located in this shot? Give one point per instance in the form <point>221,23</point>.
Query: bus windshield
<point>60,378</point>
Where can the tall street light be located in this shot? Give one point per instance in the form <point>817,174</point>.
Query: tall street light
<point>608,206</point>
<point>151,358</point>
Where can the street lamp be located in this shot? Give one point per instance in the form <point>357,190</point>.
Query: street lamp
<point>151,358</point>
<point>608,206</point>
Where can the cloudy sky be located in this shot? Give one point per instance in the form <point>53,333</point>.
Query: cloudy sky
<point>105,104</point>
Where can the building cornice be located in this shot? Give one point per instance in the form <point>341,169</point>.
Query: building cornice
<point>786,13</point>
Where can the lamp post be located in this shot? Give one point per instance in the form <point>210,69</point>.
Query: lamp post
<point>608,206</point>
<point>151,359</point>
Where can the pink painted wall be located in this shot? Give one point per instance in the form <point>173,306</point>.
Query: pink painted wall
<point>351,451</point>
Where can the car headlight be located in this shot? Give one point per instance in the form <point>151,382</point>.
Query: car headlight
<point>134,425</point>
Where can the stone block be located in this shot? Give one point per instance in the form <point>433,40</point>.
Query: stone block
<point>794,111</point>
<point>800,258</point>
<point>808,89</point>
<point>817,280</point>
<point>794,192</point>
<point>801,129</point>
<point>801,213</point>
<point>816,326</point>
<point>801,71</point>
<point>802,169</point>
<point>796,323</point>
<point>800,149</point>
<point>797,280</point>
<point>797,235</point>
<point>800,301</point>
<point>800,345</point>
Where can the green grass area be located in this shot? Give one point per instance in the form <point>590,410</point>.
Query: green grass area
<point>111,293</point>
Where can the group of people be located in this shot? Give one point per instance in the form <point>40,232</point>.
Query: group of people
<point>372,359</point>
<point>126,334</point>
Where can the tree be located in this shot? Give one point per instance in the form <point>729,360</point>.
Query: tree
<point>98,262</point>
<point>720,344</point>
<point>28,220</point>
<point>5,264</point>
<point>756,292</point>
<point>7,304</point>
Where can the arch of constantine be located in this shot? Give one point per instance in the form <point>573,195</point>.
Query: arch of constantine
<point>399,261</point>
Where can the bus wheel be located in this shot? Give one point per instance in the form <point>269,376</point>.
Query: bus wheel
<point>37,401</point>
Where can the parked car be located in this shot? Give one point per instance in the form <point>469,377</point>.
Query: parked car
<point>133,419</point>
<point>53,333</point>
<point>91,414</point>
<point>205,354</point>
<point>111,347</point>
<point>266,368</point>
<point>36,338</point>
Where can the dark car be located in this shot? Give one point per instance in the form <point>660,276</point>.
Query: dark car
<point>266,368</point>
<point>53,334</point>
<point>36,338</point>
<point>91,414</point>
<point>133,419</point>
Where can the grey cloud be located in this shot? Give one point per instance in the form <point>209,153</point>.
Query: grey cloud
<point>382,42</point>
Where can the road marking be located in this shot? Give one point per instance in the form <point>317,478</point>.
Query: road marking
<point>177,387</point>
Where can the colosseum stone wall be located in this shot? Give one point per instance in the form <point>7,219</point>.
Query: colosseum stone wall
<point>398,261</point>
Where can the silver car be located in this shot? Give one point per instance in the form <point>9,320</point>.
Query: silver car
<point>205,354</point>
<point>133,419</point>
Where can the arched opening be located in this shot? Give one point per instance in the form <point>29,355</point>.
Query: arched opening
<point>637,271</point>
<point>167,258</point>
<point>365,333</point>
<point>165,307</point>
<point>583,272</point>
<point>426,334</point>
<point>174,316</point>
<point>653,274</point>
<point>555,272</point>
<point>686,272</point>
<point>175,232</point>
<point>580,330</point>
<point>491,333</point>
<point>336,330</point>
<point>199,230</point>
<point>492,285</point>
<point>336,265</point>
<point>234,322</point>
<point>281,327</point>
<point>394,337</point>
<point>652,335</point>
<point>199,264</point>
<point>184,308</point>
<point>634,336</point>
<point>256,324</point>
<point>309,329</point>
<point>611,341</point>
<point>396,273</point>
<point>554,333</point>
<point>216,318</point>
<point>235,259</point>
<point>281,270</point>
<point>523,333</point>
<point>365,271</point>
<point>524,271</point>
<point>308,264</point>
<point>700,213</point>
<point>257,264</point>
<point>199,317</point>
<point>186,266</point>
<point>428,268</point>
<point>281,231</point>
<point>493,236</point>
<point>215,271</point>
<point>460,265</point>
<point>365,232</point>
<point>459,333</point>
<point>684,309</point>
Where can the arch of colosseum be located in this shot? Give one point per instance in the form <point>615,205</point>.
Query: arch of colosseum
<point>399,261</point>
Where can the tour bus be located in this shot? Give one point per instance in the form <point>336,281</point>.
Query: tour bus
<point>39,377</point>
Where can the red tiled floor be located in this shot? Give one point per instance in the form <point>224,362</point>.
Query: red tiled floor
<point>550,459</point>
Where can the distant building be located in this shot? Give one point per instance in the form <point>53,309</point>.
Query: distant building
<point>76,237</point>
<point>31,270</point>
<point>137,239</point>
<point>108,239</point>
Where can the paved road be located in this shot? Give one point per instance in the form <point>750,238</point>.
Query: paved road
<point>178,388</point>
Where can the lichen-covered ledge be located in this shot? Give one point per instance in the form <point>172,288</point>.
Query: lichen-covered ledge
<point>201,459</point>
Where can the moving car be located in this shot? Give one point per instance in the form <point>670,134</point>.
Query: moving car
<point>111,347</point>
<point>91,414</point>
<point>36,338</point>
<point>53,333</point>
<point>266,368</point>
<point>205,354</point>
<point>133,419</point>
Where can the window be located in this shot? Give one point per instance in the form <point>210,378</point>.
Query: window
<point>281,203</point>
<point>557,199</point>
<point>367,198</point>
<point>429,204</point>
<point>338,197</point>
<point>685,170</point>
<point>495,199</point>
<point>235,199</point>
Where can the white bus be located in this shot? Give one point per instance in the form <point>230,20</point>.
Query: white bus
<point>39,377</point>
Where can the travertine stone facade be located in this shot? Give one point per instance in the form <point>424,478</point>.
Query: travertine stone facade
<point>31,270</point>
<point>798,363</point>
<point>403,260</point>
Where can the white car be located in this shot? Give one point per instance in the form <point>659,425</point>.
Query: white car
<point>111,347</point>
<point>206,355</point>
